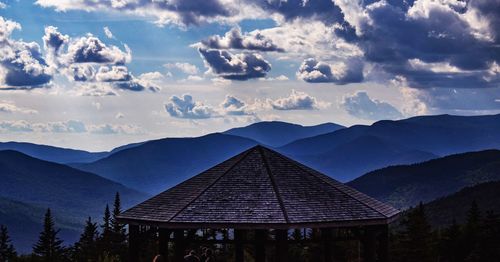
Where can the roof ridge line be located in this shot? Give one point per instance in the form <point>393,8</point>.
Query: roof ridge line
<point>244,155</point>
<point>299,165</point>
<point>275,187</point>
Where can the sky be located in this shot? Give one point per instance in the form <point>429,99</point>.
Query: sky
<point>98,74</point>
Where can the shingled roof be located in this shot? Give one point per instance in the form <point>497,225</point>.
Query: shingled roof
<point>260,188</point>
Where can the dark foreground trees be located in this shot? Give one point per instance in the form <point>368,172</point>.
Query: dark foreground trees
<point>7,251</point>
<point>49,247</point>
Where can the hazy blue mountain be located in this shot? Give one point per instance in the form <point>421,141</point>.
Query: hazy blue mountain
<point>72,194</point>
<point>52,153</point>
<point>441,134</point>
<point>24,223</point>
<point>407,185</point>
<point>384,143</point>
<point>361,155</point>
<point>444,210</point>
<point>275,133</point>
<point>156,165</point>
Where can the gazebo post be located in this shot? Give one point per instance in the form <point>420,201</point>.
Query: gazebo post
<point>133,242</point>
<point>369,244</point>
<point>260,245</point>
<point>179,245</point>
<point>326,236</point>
<point>281,245</point>
<point>383,246</point>
<point>163,239</point>
<point>239,236</point>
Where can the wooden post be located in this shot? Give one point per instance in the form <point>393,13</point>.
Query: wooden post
<point>239,237</point>
<point>133,242</point>
<point>163,239</point>
<point>383,244</point>
<point>369,244</point>
<point>281,245</point>
<point>179,247</point>
<point>326,237</point>
<point>260,245</point>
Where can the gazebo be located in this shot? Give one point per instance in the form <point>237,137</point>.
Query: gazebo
<point>259,197</point>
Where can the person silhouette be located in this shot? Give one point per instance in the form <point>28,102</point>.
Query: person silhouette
<point>158,258</point>
<point>209,256</point>
<point>191,257</point>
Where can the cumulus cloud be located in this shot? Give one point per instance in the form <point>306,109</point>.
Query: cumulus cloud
<point>234,106</point>
<point>110,129</point>
<point>242,66</point>
<point>186,68</point>
<point>3,5</point>
<point>113,74</point>
<point>21,63</point>
<point>362,106</point>
<point>314,71</point>
<point>11,107</point>
<point>234,39</point>
<point>296,101</point>
<point>186,107</point>
<point>90,49</point>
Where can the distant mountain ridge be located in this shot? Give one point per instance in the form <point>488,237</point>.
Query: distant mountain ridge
<point>407,185</point>
<point>157,165</point>
<point>417,139</point>
<point>276,133</point>
<point>443,211</point>
<point>33,185</point>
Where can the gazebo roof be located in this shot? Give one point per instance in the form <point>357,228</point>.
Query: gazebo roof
<point>260,188</point>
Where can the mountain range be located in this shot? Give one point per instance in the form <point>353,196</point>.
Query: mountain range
<point>406,185</point>
<point>28,186</point>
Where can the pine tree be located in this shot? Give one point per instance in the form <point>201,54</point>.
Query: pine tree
<point>118,232</point>
<point>450,243</point>
<point>49,247</point>
<point>104,241</point>
<point>471,232</point>
<point>7,251</point>
<point>86,247</point>
<point>416,241</point>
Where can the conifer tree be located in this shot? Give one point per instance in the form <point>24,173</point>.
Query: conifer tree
<point>450,242</point>
<point>49,247</point>
<point>118,232</point>
<point>471,231</point>
<point>104,241</point>
<point>86,247</point>
<point>7,251</point>
<point>416,242</point>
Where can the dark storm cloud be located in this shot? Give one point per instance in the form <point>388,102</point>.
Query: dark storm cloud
<point>235,66</point>
<point>234,39</point>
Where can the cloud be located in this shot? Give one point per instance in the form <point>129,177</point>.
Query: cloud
<point>90,49</point>
<point>314,71</point>
<point>53,41</point>
<point>186,107</point>
<point>70,126</point>
<point>3,5</point>
<point>296,101</point>
<point>362,106</point>
<point>180,12</point>
<point>234,106</point>
<point>11,107</point>
<point>113,74</point>
<point>242,66</point>
<point>22,65</point>
<point>108,32</point>
<point>186,68</point>
<point>234,39</point>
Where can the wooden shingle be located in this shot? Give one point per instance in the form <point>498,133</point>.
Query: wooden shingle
<point>260,188</point>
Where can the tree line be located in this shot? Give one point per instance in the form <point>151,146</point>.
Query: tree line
<point>109,244</point>
<point>478,239</point>
<point>414,239</point>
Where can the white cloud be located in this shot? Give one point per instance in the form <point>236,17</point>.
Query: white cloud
<point>296,101</point>
<point>314,71</point>
<point>186,68</point>
<point>362,106</point>
<point>11,107</point>
<point>186,107</point>
<point>108,32</point>
<point>3,5</point>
